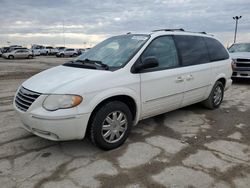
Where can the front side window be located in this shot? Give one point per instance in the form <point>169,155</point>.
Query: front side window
<point>163,49</point>
<point>115,51</point>
<point>192,49</point>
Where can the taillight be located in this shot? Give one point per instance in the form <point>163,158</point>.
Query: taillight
<point>233,63</point>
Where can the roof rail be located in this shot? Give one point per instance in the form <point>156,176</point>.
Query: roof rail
<point>181,29</point>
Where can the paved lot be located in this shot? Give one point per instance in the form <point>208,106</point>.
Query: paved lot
<point>190,147</point>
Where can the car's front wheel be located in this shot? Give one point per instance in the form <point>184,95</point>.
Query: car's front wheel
<point>30,56</point>
<point>110,125</point>
<point>216,96</point>
<point>11,57</point>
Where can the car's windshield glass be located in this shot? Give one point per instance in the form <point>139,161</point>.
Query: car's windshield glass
<point>244,47</point>
<point>115,51</point>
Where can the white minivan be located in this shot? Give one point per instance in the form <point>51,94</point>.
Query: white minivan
<point>122,80</point>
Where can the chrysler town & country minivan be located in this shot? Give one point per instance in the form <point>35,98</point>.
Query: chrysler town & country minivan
<point>122,80</point>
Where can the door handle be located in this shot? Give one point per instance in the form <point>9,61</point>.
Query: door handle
<point>179,79</point>
<point>189,77</point>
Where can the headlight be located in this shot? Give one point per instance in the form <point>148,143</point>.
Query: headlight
<point>55,102</point>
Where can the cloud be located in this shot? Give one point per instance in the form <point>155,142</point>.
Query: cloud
<point>23,20</point>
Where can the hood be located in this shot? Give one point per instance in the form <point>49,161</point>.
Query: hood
<point>51,79</point>
<point>243,55</point>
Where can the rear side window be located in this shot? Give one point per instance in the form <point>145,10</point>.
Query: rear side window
<point>192,50</point>
<point>216,50</point>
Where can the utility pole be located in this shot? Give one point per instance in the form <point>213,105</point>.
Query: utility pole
<point>63,35</point>
<point>236,18</point>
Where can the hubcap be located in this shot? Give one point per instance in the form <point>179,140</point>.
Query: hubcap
<point>114,126</point>
<point>217,95</point>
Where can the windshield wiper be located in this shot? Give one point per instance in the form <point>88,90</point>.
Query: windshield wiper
<point>105,66</point>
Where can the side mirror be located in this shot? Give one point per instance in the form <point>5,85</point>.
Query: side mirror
<point>147,63</point>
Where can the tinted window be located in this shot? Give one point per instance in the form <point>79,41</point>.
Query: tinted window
<point>216,50</point>
<point>163,49</point>
<point>192,49</point>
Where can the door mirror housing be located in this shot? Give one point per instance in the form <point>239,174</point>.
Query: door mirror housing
<point>147,63</point>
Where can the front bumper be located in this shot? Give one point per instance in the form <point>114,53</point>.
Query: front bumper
<point>65,128</point>
<point>58,125</point>
<point>241,72</point>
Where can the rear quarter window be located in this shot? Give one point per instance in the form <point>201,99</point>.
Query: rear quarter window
<point>216,50</point>
<point>192,49</point>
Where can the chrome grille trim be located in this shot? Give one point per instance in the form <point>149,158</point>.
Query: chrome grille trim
<point>25,98</point>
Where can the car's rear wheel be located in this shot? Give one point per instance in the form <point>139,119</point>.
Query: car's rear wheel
<point>110,125</point>
<point>61,55</point>
<point>74,55</point>
<point>11,57</point>
<point>216,96</point>
<point>30,57</point>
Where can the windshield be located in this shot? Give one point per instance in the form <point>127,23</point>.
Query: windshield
<point>115,51</point>
<point>244,47</point>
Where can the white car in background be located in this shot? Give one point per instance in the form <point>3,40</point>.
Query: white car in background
<point>67,52</point>
<point>240,53</point>
<point>122,80</point>
<point>49,50</point>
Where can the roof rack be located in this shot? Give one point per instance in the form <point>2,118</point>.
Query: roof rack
<point>168,30</point>
<point>181,29</point>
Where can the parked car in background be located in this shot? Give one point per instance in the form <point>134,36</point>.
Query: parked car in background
<point>17,48</point>
<point>36,49</point>
<point>122,80</point>
<point>1,53</point>
<point>48,50</point>
<point>81,51</point>
<point>60,48</point>
<point>5,49</point>
<point>18,54</point>
<point>240,53</point>
<point>68,52</point>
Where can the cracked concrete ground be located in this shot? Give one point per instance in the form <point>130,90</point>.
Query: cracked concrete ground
<point>189,147</point>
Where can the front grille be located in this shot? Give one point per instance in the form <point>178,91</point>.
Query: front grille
<point>242,60</point>
<point>25,98</point>
<point>242,64</point>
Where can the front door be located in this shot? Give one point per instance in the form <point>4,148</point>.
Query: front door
<point>161,87</point>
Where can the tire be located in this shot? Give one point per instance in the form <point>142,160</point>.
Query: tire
<point>74,55</point>
<point>30,57</point>
<point>11,57</point>
<point>102,124</point>
<point>61,55</point>
<point>216,96</point>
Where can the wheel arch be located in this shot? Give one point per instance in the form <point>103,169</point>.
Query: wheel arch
<point>127,99</point>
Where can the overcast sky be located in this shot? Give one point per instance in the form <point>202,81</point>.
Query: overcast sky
<point>84,23</point>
